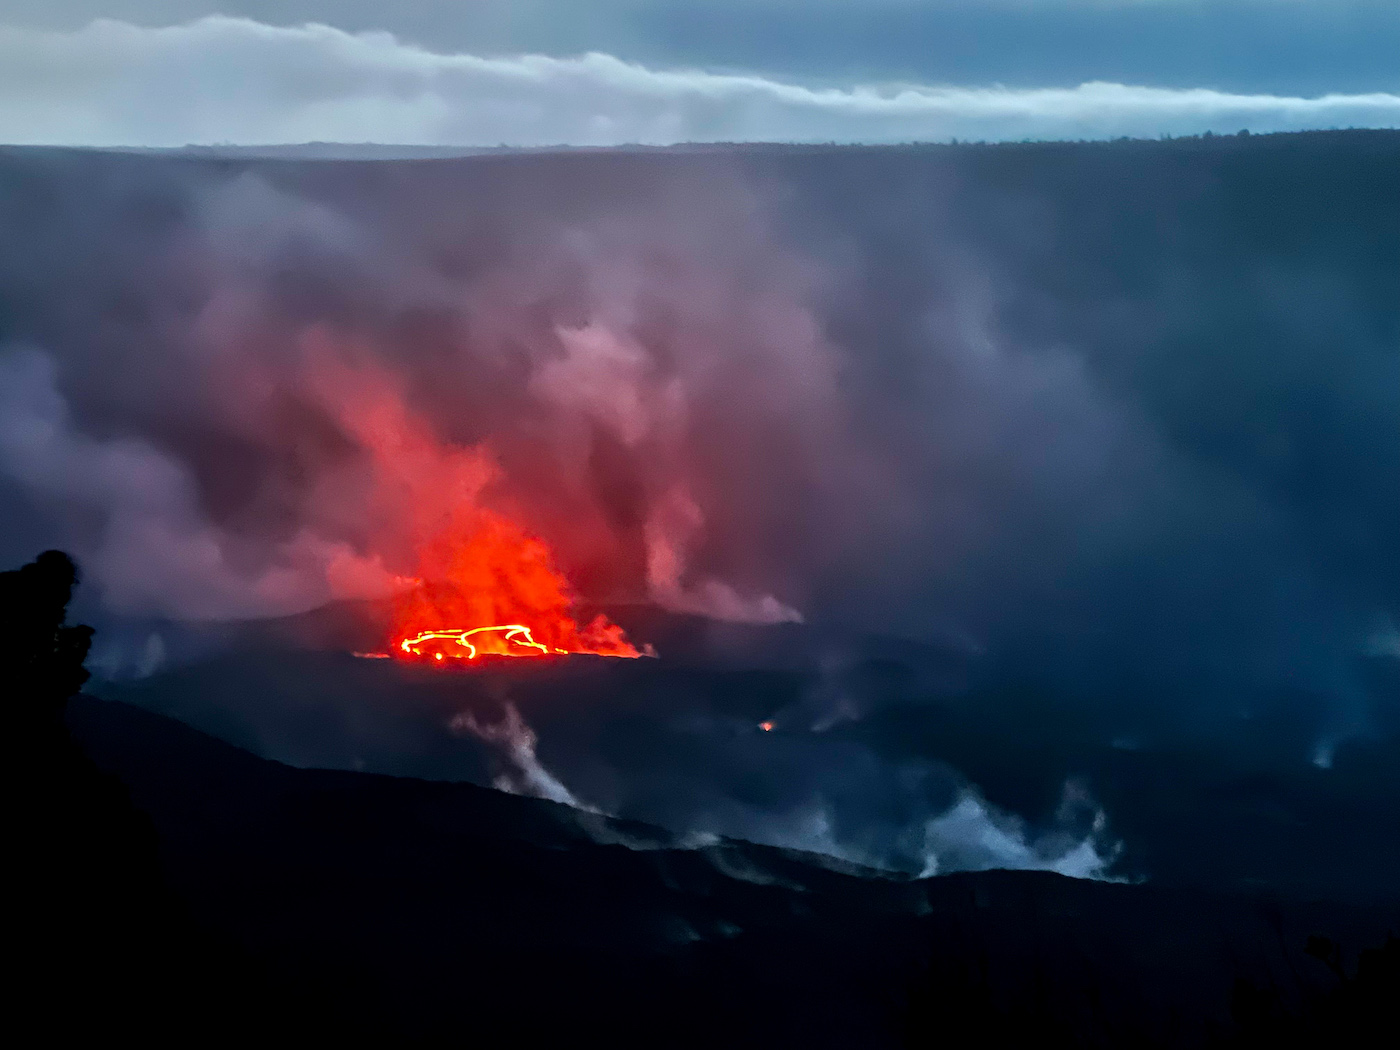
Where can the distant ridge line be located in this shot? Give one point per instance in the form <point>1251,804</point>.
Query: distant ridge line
<point>371,151</point>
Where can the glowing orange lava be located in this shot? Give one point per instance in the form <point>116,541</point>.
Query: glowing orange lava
<point>482,585</point>
<point>515,640</point>
<point>488,588</point>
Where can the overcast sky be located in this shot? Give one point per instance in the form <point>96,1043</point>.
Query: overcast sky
<point>455,72</point>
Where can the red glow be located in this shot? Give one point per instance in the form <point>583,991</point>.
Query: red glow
<point>482,584</point>
<point>505,640</point>
<point>488,588</point>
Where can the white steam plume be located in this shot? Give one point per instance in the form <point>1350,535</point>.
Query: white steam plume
<point>523,775</point>
<point>1385,642</point>
<point>972,835</point>
<point>670,530</point>
<point>969,835</point>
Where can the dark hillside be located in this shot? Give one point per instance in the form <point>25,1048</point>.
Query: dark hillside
<point>431,909</point>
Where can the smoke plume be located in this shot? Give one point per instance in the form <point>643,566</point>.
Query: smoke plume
<point>1063,444</point>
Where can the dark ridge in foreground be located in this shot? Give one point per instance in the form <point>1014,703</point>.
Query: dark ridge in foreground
<point>417,910</point>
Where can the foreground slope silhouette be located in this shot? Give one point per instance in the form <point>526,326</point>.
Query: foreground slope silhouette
<point>177,887</point>
<point>97,943</point>
<point>430,910</point>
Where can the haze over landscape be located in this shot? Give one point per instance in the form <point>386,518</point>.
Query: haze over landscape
<point>709,503</point>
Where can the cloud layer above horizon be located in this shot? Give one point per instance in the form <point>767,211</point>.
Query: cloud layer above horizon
<point>221,80</point>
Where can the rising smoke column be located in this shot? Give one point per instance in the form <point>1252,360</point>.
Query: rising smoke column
<point>580,385</point>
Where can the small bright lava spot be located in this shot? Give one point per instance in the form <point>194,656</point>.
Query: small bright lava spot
<point>437,656</point>
<point>767,727</point>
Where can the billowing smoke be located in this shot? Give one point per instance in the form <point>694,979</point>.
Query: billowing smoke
<point>949,828</point>
<point>973,836</point>
<point>522,773</point>
<point>1065,442</point>
<point>151,546</point>
<point>969,835</point>
<point>580,382</point>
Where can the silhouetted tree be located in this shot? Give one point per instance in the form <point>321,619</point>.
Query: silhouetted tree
<point>96,943</point>
<point>40,653</point>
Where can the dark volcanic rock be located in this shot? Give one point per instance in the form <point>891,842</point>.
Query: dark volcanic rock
<point>424,910</point>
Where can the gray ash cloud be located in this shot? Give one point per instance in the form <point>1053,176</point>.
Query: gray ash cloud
<point>1117,425</point>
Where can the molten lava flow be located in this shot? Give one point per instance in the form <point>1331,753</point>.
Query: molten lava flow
<point>483,585</point>
<point>488,588</point>
<point>515,640</point>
